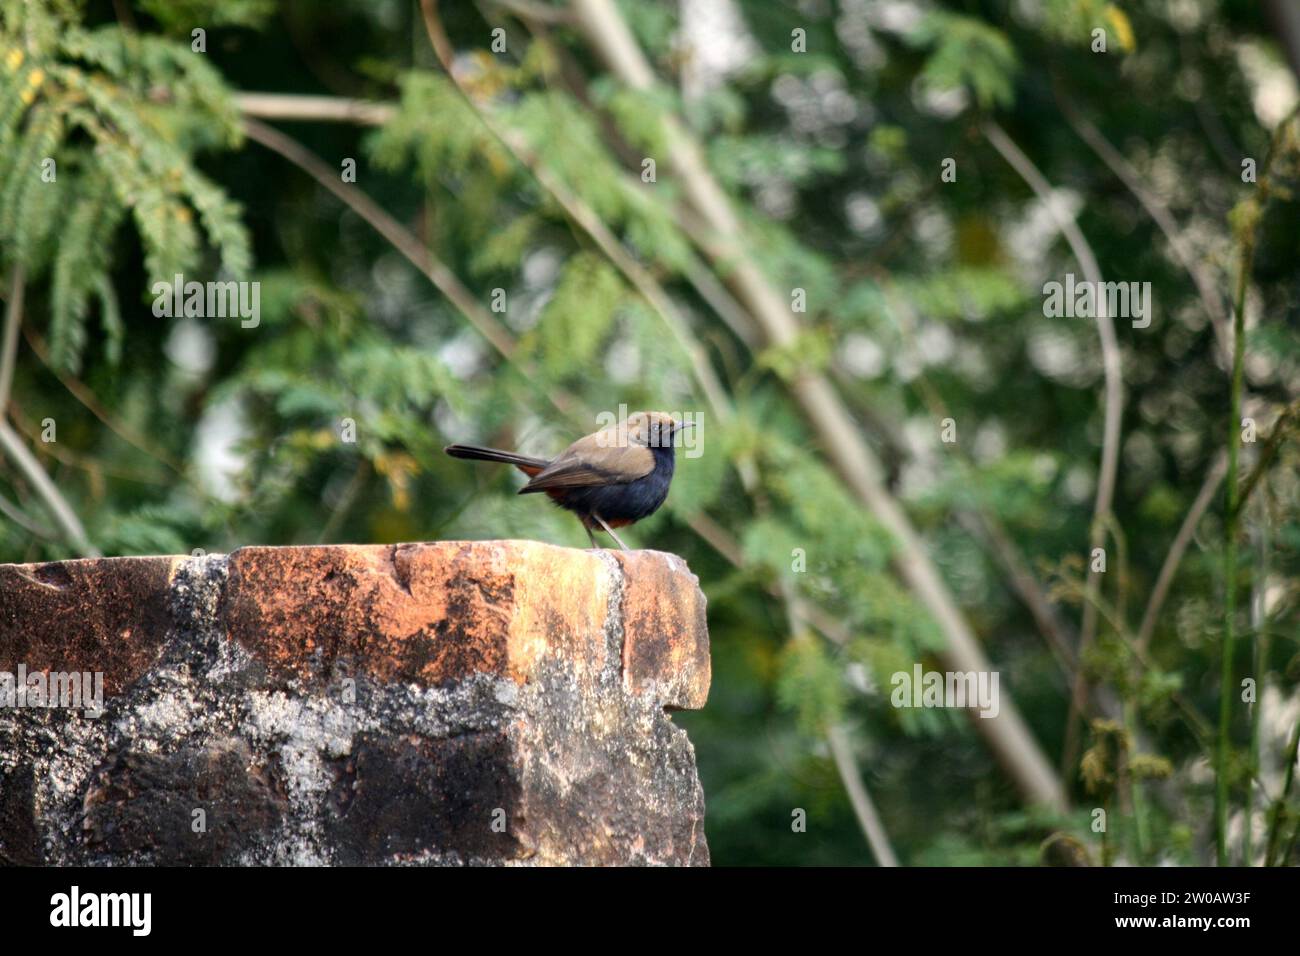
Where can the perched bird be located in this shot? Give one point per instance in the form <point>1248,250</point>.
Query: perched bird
<point>610,478</point>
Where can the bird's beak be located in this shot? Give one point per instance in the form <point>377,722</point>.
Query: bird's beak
<point>682,426</point>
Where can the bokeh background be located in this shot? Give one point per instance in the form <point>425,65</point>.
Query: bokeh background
<point>824,228</point>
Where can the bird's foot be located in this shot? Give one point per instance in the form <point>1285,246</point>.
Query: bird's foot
<point>611,532</point>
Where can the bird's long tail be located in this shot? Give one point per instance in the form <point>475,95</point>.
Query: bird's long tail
<point>478,453</point>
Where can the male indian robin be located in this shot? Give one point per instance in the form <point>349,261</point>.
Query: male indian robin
<point>610,478</point>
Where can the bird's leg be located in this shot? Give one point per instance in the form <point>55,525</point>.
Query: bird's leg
<point>590,537</point>
<point>611,531</point>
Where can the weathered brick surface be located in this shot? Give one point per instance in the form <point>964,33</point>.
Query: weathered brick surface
<point>112,612</point>
<point>444,703</point>
<point>666,646</point>
<point>424,613</point>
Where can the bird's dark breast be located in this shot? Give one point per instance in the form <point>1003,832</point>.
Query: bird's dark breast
<point>630,501</point>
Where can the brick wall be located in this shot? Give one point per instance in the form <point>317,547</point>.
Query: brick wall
<point>448,703</point>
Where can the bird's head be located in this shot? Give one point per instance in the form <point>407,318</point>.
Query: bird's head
<point>654,429</point>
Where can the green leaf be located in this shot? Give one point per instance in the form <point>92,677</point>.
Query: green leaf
<point>811,684</point>
<point>579,314</point>
<point>967,52</point>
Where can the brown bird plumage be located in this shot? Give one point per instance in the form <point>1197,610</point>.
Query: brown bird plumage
<point>609,479</point>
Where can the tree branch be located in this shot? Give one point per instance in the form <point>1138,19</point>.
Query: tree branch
<point>1266,454</point>
<point>1179,547</point>
<point>1159,214</point>
<point>9,342</point>
<point>58,507</point>
<point>403,241</point>
<point>20,518</point>
<point>868,819</point>
<point>1112,370</point>
<point>326,109</point>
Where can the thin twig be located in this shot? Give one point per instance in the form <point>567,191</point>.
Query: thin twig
<point>33,433</point>
<point>1269,450</point>
<point>987,528</point>
<point>9,342</point>
<point>1159,214</point>
<point>527,10</point>
<point>327,109</point>
<point>1179,547</point>
<point>846,764</point>
<point>62,513</point>
<point>346,500</point>
<point>868,819</point>
<point>1277,813</point>
<point>20,518</point>
<point>87,398</point>
<point>1259,666</point>
<point>429,265</point>
<point>1112,370</point>
<point>1195,722</point>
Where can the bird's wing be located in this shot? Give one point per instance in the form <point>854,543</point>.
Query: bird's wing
<point>592,461</point>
